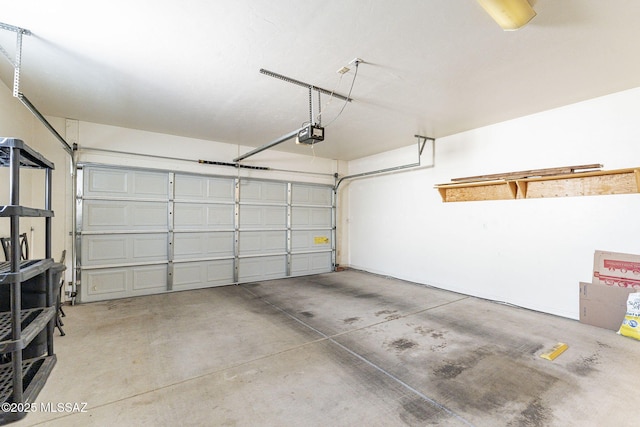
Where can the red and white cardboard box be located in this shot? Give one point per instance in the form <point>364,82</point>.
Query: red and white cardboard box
<point>616,269</point>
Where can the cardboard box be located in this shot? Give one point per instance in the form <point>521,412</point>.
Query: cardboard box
<point>616,269</point>
<point>602,305</point>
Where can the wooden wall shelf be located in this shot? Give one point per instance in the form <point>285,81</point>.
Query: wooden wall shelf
<point>593,183</point>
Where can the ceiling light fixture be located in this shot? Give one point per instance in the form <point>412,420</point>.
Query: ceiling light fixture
<point>509,14</point>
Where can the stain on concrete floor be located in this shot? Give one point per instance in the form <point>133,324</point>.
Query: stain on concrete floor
<point>403,344</point>
<point>586,365</point>
<point>488,380</point>
<point>536,414</point>
<point>485,368</point>
<point>418,412</point>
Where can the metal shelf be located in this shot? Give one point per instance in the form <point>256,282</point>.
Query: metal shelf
<point>34,375</point>
<point>33,321</point>
<point>23,211</point>
<point>28,269</point>
<point>22,331</point>
<point>28,157</point>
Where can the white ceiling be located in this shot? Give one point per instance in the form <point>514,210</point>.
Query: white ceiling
<point>432,67</point>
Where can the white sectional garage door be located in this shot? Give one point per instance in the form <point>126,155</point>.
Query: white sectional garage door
<point>145,232</point>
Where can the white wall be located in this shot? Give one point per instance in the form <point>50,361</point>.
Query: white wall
<point>530,253</point>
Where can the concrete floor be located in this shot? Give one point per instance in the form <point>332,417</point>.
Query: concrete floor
<point>338,349</point>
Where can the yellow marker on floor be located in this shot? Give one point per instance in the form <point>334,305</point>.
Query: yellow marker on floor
<point>556,351</point>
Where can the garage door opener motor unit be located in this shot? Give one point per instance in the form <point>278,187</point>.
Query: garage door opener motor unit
<point>310,134</point>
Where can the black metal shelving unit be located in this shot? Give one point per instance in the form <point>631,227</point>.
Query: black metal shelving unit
<point>21,380</point>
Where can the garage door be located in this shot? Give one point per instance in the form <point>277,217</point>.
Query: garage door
<point>145,232</point>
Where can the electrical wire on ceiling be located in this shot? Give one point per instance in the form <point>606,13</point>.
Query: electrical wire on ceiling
<point>331,98</point>
<point>355,74</point>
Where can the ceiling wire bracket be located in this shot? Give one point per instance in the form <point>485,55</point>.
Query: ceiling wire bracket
<point>16,61</point>
<point>424,142</point>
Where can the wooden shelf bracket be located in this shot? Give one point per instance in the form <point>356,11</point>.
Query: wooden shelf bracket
<point>567,184</point>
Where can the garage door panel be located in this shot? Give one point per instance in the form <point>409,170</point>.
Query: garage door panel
<point>145,278</point>
<point>310,240</point>
<point>123,248</point>
<point>203,245</point>
<point>262,268</point>
<point>150,247</point>
<point>202,274</point>
<point>188,215</point>
<point>117,183</point>
<point>220,216</point>
<point>221,190</point>
<point>109,281</point>
<point>143,230</point>
<point>149,185</point>
<point>312,263</point>
<point>101,215</point>
<point>108,182</point>
<point>189,187</point>
<point>252,216</point>
<point>149,215</point>
<point>121,282</point>
<point>103,249</point>
<point>302,194</point>
<point>310,217</point>
<point>263,192</point>
<point>105,215</point>
<point>206,189</point>
<point>262,242</point>
<point>206,217</point>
